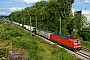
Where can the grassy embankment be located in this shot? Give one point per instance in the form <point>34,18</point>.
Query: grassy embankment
<point>13,37</point>
<point>84,43</point>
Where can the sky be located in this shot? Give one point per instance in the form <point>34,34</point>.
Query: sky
<point>8,6</point>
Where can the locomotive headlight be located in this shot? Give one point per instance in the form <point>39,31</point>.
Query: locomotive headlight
<point>74,46</point>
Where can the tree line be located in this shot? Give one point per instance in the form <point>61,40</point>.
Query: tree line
<point>48,14</point>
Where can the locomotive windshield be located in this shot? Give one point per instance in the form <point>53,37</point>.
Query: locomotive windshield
<point>77,42</point>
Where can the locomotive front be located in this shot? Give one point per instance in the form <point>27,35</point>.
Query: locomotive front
<point>76,44</point>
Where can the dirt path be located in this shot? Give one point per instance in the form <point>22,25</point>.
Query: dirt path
<point>17,55</point>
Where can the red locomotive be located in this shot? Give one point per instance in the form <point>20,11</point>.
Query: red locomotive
<point>71,43</point>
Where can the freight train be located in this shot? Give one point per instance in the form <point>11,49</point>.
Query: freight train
<point>70,43</point>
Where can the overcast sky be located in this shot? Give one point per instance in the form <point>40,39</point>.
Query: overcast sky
<point>8,6</point>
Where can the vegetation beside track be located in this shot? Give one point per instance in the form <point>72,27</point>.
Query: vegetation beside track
<point>85,44</point>
<point>36,48</point>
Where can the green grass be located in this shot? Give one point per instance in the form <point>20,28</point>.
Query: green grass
<point>36,48</point>
<point>1,21</point>
<point>3,53</point>
<point>86,44</point>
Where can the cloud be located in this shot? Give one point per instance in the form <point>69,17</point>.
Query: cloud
<point>31,1</point>
<point>15,8</point>
<point>5,2</point>
<point>82,2</point>
<point>16,0</point>
<point>86,1</point>
<point>2,8</point>
<point>26,1</point>
<point>2,13</point>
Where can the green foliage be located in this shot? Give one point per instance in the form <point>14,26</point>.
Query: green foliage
<point>85,34</point>
<point>3,53</point>
<point>47,13</point>
<point>1,21</point>
<point>76,23</point>
<point>8,32</point>
<point>86,44</point>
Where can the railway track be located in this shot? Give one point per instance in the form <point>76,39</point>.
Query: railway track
<point>86,49</point>
<point>85,52</point>
<point>86,56</point>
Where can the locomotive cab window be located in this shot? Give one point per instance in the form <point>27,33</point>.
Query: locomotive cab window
<point>77,42</point>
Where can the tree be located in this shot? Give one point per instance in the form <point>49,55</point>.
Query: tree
<point>76,23</point>
<point>85,34</point>
<point>48,14</point>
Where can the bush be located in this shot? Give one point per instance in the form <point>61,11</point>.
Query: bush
<point>10,31</point>
<point>1,21</point>
<point>85,34</point>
